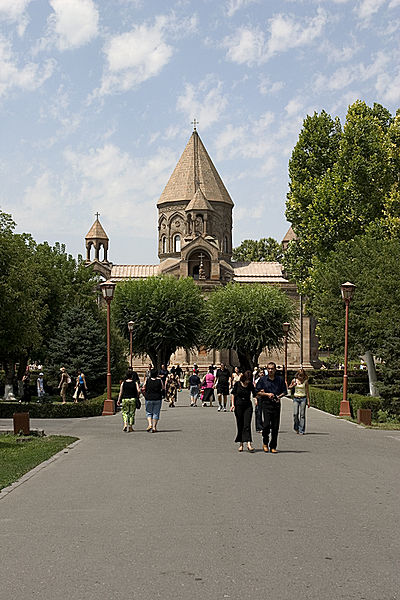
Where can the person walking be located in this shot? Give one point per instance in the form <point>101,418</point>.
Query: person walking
<point>80,387</point>
<point>128,399</point>
<point>26,386</point>
<point>186,378</point>
<point>209,381</point>
<point>163,374</point>
<point>236,374</point>
<point>179,374</point>
<point>242,405</point>
<point>270,389</point>
<point>63,385</point>
<point>259,372</point>
<point>222,385</point>
<point>171,389</point>
<point>153,395</point>
<point>194,387</point>
<point>300,398</point>
<point>40,387</point>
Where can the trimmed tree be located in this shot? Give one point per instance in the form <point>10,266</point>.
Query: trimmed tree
<point>247,319</point>
<point>167,312</point>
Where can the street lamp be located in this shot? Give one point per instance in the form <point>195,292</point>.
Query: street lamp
<point>286,329</point>
<point>107,289</point>
<point>131,325</point>
<point>347,290</point>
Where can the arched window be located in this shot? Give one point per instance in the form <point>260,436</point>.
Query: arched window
<point>177,243</point>
<point>225,244</point>
<point>163,244</point>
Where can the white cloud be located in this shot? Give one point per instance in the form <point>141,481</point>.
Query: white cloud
<point>247,46</point>
<point>345,76</point>
<point>266,87</point>
<point>27,77</point>
<point>294,107</point>
<point>235,5</point>
<point>366,8</point>
<point>205,101</point>
<point>135,56</point>
<point>286,32</point>
<point>74,23</point>
<point>122,188</point>
<point>15,11</point>
<point>250,45</point>
<point>388,87</point>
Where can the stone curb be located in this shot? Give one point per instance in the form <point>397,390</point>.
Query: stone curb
<point>7,490</point>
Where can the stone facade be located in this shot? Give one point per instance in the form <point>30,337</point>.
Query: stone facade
<point>195,240</point>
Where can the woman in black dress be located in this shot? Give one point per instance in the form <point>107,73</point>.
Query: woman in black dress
<point>242,405</point>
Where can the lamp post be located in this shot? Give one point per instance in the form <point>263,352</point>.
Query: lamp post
<point>107,289</point>
<point>286,329</point>
<point>131,325</point>
<point>347,290</point>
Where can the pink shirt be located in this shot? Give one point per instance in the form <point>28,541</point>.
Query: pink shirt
<point>210,380</point>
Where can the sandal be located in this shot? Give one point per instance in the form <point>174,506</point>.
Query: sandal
<point>240,449</point>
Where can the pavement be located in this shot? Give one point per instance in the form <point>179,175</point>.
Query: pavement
<point>182,515</point>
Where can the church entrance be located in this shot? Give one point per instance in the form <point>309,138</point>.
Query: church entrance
<point>199,264</point>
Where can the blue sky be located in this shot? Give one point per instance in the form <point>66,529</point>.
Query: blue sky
<point>97,99</point>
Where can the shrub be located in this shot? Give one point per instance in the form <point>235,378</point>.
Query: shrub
<point>329,401</point>
<point>90,408</point>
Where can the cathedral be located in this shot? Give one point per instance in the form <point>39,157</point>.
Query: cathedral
<point>195,240</point>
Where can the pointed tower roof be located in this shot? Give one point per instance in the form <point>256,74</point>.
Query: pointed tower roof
<point>199,202</point>
<point>195,169</point>
<point>96,232</point>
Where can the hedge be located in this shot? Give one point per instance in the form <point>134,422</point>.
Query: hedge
<point>90,408</point>
<point>329,401</point>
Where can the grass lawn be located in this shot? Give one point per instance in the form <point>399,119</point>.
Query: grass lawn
<point>18,455</point>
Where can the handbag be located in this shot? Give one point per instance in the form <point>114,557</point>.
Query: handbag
<point>138,404</point>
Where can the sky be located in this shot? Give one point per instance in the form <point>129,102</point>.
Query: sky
<point>97,99</point>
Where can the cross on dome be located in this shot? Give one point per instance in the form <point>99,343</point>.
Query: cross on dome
<point>195,123</point>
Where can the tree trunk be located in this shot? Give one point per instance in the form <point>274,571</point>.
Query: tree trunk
<point>246,361</point>
<point>372,377</point>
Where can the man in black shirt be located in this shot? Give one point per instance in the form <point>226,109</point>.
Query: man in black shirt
<point>222,385</point>
<point>194,387</point>
<point>271,389</point>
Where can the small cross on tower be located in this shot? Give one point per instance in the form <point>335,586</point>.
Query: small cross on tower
<point>195,123</point>
<point>97,215</point>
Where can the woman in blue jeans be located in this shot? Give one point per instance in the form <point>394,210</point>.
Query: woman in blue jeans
<point>300,398</point>
<point>153,395</point>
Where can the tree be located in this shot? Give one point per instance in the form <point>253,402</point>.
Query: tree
<point>337,195</point>
<point>263,250</point>
<point>65,283</point>
<point>79,343</point>
<point>246,319</point>
<point>372,264</point>
<point>21,297</point>
<point>167,312</point>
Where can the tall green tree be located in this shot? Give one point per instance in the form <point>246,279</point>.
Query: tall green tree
<point>349,191</point>
<point>247,319</point>
<point>22,311</point>
<point>167,312</point>
<point>263,250</point>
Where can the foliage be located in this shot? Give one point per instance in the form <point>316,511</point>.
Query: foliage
<point>389,385</point>
<point>55,410</point>
<point>263,250</point>
<point>341,183</point>
<point>79,342</point>
<point>372,264</point>
<point>329,401</point>
<point>18,458</point>
<point>21,294</point>
<point>167,312</point>
<point>246,319</point>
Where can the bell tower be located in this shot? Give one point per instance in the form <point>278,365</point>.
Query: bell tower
<point>97,240</point>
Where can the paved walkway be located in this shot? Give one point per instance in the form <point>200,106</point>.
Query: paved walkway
<point>182,515</point>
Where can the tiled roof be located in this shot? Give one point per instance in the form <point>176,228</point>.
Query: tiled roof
<point>195,168</point>
<point>290,235</point>
<point>96,232</point>
<point>258,272</point>
<point>133,271</point>
<point>199,202</point>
